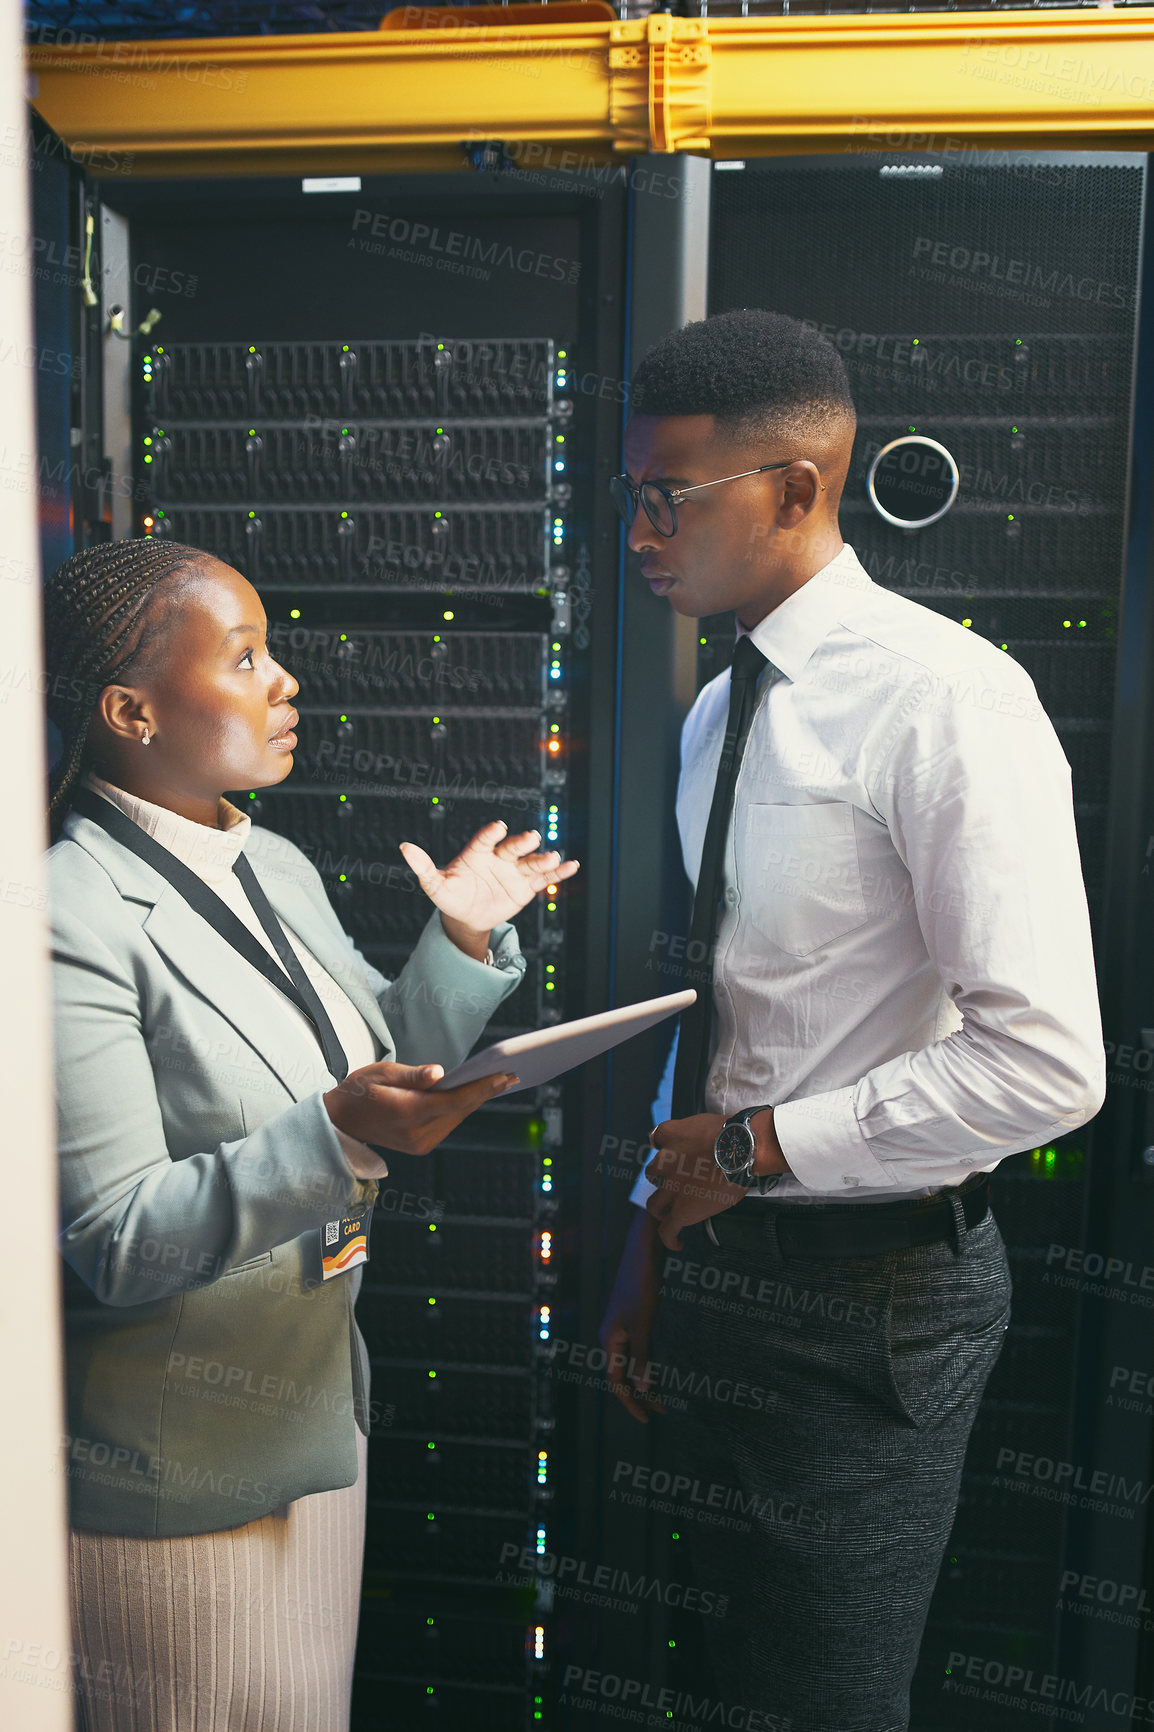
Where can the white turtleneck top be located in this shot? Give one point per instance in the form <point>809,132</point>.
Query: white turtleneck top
<point>210,854</point>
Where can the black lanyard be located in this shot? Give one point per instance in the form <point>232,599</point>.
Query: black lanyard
<point>290,979</point>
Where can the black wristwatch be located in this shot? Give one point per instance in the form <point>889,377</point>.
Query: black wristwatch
<point>735,1151</point>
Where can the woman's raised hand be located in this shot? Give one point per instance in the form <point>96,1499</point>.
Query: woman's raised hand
<point>394,1104</point>
<point>492,878</point>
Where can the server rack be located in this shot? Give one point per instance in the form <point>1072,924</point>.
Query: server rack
<point>418,480</point>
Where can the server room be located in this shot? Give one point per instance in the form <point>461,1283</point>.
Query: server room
<point>577,901</point>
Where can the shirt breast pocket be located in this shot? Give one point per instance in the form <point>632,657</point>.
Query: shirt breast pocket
<point>798,874</point>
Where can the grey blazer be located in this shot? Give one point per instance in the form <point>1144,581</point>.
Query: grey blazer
<point>212,1374</point>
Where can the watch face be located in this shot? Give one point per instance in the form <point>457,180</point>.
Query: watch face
<point>735,1149</point>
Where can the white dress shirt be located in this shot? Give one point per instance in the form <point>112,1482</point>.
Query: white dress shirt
<point>211,854</point>
<point>903,968</point>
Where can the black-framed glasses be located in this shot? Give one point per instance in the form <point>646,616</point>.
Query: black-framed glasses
<point>661,502</point>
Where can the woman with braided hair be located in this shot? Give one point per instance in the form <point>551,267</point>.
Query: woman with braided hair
<point>230,1072</point>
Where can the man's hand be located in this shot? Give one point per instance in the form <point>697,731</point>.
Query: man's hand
<point>691,1185</point>
<point>627,1326</point>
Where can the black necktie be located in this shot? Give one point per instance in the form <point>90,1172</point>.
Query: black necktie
<point>693,1049</point>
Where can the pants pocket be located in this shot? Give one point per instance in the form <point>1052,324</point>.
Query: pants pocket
<point>944,1331</point>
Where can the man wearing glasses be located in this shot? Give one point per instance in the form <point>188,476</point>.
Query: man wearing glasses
<point>894,998</point>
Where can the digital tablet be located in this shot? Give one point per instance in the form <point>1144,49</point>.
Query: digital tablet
<point>545,1053</point>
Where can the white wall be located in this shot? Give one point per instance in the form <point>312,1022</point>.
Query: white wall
<point>34,1646</point>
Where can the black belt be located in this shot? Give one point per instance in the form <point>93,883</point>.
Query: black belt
<point>856,1229</point>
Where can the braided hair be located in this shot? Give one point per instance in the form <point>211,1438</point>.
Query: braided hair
<point>97,625</point>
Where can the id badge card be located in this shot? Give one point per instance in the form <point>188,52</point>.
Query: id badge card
<point>344,1244</point>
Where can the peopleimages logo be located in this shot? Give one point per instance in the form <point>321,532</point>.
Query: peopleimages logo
<point>1029,1689</point>
<point>1041,279</point>
<point>628,1696</point>
<point>646,1485</point>
<point>613,1579</point>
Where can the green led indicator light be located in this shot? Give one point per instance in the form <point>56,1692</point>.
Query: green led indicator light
<point>344,796</point>
<point>436,802</point>
<point>432,1374</point>
<point>440,429</point>
<point>252,796</point>
<point>703,640</point>
<point>967,622</point>
<point>1013,429</point>
<point>344,348</point>
<point>148,459</point>
<point>344,877</point>
<point>1009,517</point>
<point>344,513</point>
<point>252,513</point>
<point>295,613</point>
<point>252,432</point>
<point>917,340</point>
<point>251,350</point>
<point>432,1301</point>
<point>148,441</point>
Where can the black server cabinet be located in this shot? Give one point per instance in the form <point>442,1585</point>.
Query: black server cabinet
<point>401,458</point>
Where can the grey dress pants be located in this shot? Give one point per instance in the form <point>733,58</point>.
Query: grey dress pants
<point>836,1485</point>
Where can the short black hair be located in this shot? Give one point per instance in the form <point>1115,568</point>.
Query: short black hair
<point>759,373</point>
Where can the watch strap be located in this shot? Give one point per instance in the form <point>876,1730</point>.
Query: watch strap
<point>747,1113</point>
